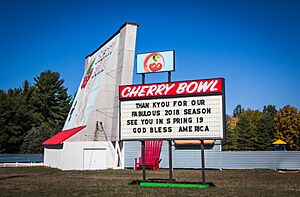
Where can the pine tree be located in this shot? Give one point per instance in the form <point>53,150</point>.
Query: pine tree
<point>15,117</point>
<point>43,106</point>
<point>36,136</point>
<point>266,128</point>
<point>237,110</point>
<point>50,104</point>
<point>230,141</point>
<point>246,129</point>
<point>4,120</point>
<point>50,100</point>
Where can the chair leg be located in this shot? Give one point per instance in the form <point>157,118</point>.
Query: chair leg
<point>135,164</point>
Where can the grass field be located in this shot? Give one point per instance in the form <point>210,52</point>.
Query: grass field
<point>41,181</point>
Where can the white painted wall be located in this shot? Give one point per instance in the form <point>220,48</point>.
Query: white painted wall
<point>72,156</point>
<point>104,110</point>
<point>94,158</point>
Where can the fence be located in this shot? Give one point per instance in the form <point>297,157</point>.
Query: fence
<point>215,159</point>
<point>21,158</point>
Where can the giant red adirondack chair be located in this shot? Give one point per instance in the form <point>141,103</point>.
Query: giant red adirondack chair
<point>152,155</point>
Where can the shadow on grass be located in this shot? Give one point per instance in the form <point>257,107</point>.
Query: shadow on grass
<point>24,175</point>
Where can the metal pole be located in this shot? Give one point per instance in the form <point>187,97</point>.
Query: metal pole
<point>202,162</point>
<point>143,78</point>
<point>143,144</point>
<point>170,162</point>
<point>169,76</point>
<point>143,161</point>
<point>170,147</point>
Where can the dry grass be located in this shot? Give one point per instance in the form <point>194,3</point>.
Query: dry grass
<point>41,181</point>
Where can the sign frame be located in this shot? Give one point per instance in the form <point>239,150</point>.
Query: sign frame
<point>223,118</point>
<point>136,57</point>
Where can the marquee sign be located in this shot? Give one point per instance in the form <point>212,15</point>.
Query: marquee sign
<point>161,61</point>
<point>175,110</point>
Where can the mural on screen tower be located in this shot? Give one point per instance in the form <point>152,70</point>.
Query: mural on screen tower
<point>96,102</point>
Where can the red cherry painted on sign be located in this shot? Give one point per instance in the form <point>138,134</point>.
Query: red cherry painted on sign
<point>153,67</point>
<point>159,66</point>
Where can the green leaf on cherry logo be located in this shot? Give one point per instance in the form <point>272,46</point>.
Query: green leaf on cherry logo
<point>156,57</point>
<point>90,66</point>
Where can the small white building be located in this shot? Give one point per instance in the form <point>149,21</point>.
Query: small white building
<point>90,137</point>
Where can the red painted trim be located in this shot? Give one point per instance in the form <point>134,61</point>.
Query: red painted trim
<point>62,136</point>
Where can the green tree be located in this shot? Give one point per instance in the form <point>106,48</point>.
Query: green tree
<point>15,117</point>
<point>237,110</point>
<point>230,141</point>
<point>4,120</point>
<point>287,126</point>
<point>266,128</point>
<point>246,129</point>
<point>50,100</point>
<point>270,109</point>
<point>50,104</point>
<point>42,106</point>
<point>36,136</point>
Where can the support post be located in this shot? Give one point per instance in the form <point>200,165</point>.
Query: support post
<point>143,144</point>
<point>170,162</point>
<point>143,78</point>
<point>169,76</point>
<point>202,162</point>
<point>143,161</point>
<point>170,146</point>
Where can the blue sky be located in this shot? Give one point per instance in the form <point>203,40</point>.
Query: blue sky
<point>254,45</point>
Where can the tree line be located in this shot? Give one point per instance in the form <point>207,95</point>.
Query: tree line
<point>254,130</point>
<point>32,113</point>
<point>35,112</point>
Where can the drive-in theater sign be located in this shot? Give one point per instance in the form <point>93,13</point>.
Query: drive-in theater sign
<point>174,110</point>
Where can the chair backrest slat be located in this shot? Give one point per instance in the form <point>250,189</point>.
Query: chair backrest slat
<point>152,150</point>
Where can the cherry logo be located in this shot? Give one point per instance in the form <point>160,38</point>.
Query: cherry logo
<point>154,62</point>
<point>86,79</point>
<point>88,75</point>
<point>155,67</point>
